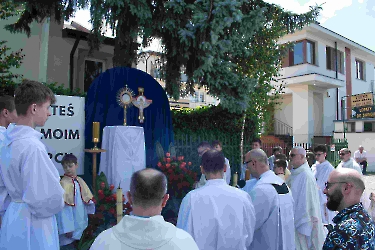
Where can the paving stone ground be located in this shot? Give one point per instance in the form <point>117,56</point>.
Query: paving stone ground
<point>369,179</point>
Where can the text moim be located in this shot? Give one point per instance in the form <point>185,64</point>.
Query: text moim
<point>60,133</point>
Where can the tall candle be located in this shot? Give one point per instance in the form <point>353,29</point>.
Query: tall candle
<point>247,175</point>
<point>119,204</point>
<point>235,179</point>
<point>95,130</point>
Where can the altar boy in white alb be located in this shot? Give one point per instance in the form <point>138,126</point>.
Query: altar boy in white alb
<point>321,170</point>
<point>217,215</point>
<point>73,219</point>
<point>29,176</point>
<point>273,204</point>
<point>307,216</point>
<point>8,115</point>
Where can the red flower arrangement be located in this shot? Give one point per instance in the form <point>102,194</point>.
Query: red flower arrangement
<point>180,178</point>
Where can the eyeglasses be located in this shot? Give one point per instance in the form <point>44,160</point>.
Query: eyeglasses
<point>246,162</point>
<point>342,153</point>
<point>329,184</point>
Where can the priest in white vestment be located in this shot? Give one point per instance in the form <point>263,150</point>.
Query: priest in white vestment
<point>145,228</point>
<point>8,115</point>
<point>29,176</point>
<point>348,162</point>
<point>307,216</point>
<point>273,204</point>
<point>202,148</point>
<point>217,215</point>
<point>321,171</point>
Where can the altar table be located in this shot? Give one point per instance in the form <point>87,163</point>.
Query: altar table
<point>125,154</point>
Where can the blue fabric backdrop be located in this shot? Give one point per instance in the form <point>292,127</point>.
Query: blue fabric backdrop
<point>101,106</point>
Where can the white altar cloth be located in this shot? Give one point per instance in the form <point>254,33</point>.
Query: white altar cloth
<point>125,154</point>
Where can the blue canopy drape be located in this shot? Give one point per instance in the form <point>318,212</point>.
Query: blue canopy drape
<point>101,106</point>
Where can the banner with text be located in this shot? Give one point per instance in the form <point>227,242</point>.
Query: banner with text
<point>63,132</point>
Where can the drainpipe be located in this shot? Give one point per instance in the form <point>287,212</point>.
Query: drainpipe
<point>337,89</point>
<point>71,63</point>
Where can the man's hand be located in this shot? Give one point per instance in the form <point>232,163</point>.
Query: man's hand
<point>69,235</point>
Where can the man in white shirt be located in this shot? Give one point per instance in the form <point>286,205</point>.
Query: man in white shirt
<point>347,161</point>
<point>360,157</point>
<point>146,228</point>
<point>217,215</point>
<point>307,216</point>
<point>321,171</point>
<point>273,204</point>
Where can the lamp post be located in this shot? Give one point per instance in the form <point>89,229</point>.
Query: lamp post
<point>343,113</point>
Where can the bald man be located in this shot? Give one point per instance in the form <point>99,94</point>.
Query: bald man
<point>354,227</point>
<point>273,204</point>
<point>309,231</point>
<point>146,228</point>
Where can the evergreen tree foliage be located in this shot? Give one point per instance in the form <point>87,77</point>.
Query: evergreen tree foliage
<point>210,41</point>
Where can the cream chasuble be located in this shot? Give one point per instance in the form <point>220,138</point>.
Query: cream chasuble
<point>307,216</point>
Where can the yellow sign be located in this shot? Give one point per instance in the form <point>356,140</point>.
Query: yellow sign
<point>360,100</point>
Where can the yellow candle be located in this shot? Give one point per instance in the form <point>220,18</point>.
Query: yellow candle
<point>119,204</point>
<point>235,179</point>
<point>95,130</point>
<point>247,175</point>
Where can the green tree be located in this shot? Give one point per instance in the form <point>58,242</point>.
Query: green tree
<point>8,59</point>
<point>208,39</point>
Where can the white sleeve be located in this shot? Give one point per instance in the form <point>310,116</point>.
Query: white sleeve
<point>249,221</point>
<point>41,184</point>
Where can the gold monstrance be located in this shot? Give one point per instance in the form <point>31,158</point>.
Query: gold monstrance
<point>124,99</point>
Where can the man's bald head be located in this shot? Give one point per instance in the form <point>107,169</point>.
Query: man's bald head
<point>148,187</point>
<point>259,155</point>
<point>348,175</point>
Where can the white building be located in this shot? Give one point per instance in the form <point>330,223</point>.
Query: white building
<point>317,78</point>
<point>150,62</point>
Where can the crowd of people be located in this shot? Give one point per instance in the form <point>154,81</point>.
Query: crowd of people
<point>317,207</point>
<point>282,205</point>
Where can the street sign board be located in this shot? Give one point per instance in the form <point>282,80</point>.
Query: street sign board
<point>364,112</point>
<point>360,100</point>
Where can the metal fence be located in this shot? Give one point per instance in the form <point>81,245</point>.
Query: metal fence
<point>186,145</point>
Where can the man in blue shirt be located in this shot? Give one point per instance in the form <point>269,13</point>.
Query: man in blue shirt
<point>354,228</point>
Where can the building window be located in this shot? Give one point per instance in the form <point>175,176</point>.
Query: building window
<point>359,67</point>
<point>302,52</point>
<point>331,59</point>
<point>298,53</point>
<point>92,69</point>
<point>368,127</point>
<point>198,97</point>
<point>310,52</point>
<point>350,127</point>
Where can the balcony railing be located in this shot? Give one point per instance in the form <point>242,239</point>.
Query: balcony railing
<point>281,128</point>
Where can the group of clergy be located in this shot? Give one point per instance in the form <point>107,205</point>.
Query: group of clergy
<point>271,213</point>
